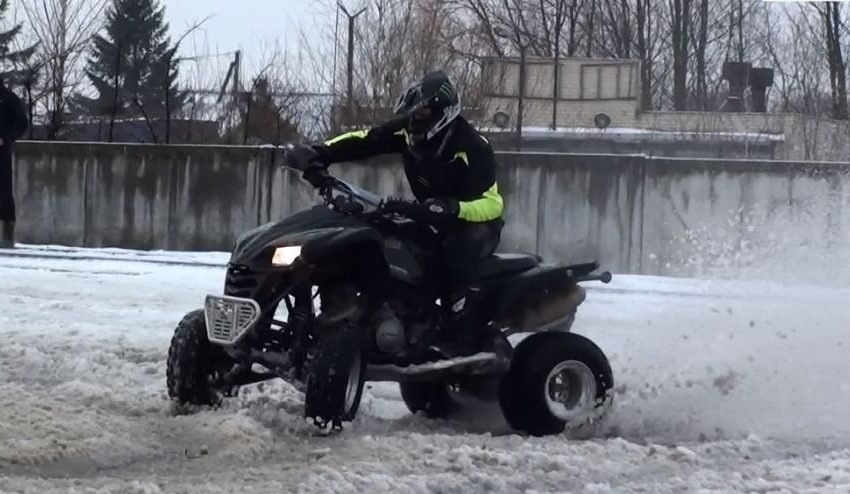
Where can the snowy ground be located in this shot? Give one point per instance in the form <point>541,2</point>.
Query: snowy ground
<point>722,387</point>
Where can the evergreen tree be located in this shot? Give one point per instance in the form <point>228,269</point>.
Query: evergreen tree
<point>13,63</point>
<point>132,66</point>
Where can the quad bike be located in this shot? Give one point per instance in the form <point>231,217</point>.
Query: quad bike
<point>341,294</point>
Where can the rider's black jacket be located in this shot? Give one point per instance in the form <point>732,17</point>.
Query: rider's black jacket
<point>465,170</point>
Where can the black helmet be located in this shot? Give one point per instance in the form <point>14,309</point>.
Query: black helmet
<point>430,105</point>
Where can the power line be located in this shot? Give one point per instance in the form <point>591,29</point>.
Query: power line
<point>206,56</point>
<point>278,94</point>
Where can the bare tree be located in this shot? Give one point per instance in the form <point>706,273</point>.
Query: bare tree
<point>63,29</point>
<point>680,27</point>
<point>395,43</point>
<point>588,29</point>
<point>830,13</point>
<point>616,25</point>
<point>168,80</point>
<point>643,16</point>
<point>681,44</point>
<point>701,68</point>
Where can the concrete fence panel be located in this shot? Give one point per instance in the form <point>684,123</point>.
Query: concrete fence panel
<point>637,214</point>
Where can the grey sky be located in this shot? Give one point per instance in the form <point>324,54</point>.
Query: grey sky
<point>242,23</point>
<point>249,25</point>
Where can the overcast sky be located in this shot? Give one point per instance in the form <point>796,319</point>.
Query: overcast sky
<point>241,23</point>
<point>248,25</point>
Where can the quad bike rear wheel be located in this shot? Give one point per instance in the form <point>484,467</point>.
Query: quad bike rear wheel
<point>431,398</point>
<point>558,381</point>
<point>195,367</point>
<point>335,377</point>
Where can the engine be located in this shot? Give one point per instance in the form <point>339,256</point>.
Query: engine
<point>389,331</point>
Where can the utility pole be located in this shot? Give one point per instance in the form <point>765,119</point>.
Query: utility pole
<point>520,104</point>
<point>350,69</point>
<point>237,67</point>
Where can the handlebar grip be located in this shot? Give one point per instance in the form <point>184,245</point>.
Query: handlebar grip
<point>604,277</point>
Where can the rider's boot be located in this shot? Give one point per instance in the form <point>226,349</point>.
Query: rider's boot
<point>463,330</point>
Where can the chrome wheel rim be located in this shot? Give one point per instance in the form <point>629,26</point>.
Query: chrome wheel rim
<point>570,390</point>
<point>353,384</point>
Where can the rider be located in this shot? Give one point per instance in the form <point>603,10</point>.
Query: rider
<point>452,173</point>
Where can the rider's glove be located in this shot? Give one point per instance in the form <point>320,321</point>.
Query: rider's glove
<point>436,212</point>
<point>309,161</point>
<point>398,206</point>
<point>317,174</point>
<point>441,211</point>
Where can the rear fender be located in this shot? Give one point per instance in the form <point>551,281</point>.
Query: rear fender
<point>537,299</point>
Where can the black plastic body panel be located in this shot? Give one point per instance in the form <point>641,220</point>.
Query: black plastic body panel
<point>502,293</point>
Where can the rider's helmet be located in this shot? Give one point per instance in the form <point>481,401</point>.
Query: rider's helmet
<point>431,105</point>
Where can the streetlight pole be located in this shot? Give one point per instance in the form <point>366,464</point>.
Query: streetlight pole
<point>350,69</point>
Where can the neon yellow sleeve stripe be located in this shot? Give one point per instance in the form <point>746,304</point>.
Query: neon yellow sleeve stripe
<point>489,207</point>
<point>354,134</point>
<point>403,133</point>
<point>461,155</point>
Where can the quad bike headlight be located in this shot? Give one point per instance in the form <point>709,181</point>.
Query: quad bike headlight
<point>284,256</point>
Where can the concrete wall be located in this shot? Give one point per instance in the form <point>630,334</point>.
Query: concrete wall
<point>746,218</point>
<point>138,196</point>
<point>633,213</point>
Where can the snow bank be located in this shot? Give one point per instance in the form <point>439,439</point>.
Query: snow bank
<point>721,386</point>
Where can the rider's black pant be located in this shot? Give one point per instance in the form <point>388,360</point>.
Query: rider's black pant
<point>462,248</point>
<point>7,200</point>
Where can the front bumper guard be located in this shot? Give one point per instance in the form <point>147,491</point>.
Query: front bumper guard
<point>229,318</point>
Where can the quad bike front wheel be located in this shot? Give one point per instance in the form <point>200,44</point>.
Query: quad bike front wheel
<point>335,378</point>
<point>557,381</point>
<point>196,367</point>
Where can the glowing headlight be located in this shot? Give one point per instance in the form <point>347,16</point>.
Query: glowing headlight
<point>284,256</point>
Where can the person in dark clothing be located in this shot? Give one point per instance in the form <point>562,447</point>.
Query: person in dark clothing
<point>451,170</point>
<point>13,124</point>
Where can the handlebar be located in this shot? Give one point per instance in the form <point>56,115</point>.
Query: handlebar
<point>351,199</point>
<point>604,277</point>
<point>362,195</point>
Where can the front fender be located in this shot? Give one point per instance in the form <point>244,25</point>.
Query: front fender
<point>341,244</point>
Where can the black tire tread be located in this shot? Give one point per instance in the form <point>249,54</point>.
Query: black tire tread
<point>523,405</point>
<point>327,377</point>
<point>431,398</point>
<point>189,357</point>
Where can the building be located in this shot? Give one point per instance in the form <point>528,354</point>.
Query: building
<point>593,105</point>
<point>581,89</point>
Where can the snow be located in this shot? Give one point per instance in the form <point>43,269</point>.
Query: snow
<point>637,133</point>
<point>722,386</point>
